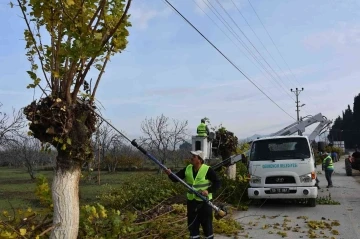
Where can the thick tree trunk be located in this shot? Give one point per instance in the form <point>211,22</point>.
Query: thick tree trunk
<point>65,194</point>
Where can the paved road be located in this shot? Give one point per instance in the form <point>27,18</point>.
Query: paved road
<point>268,220</point>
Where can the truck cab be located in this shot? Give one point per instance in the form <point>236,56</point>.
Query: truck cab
<point>282,167</point>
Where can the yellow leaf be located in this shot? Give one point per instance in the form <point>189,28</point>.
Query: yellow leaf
<point>70,2</point>
<point>22,231</point>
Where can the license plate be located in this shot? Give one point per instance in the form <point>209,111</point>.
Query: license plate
<point>279,190</point>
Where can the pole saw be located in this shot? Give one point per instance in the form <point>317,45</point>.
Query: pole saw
<point>220,211</point>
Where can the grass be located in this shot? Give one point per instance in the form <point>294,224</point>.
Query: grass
<point>17,189</point>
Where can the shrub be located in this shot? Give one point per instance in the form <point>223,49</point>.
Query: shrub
<point>234,191</point>
<point>141,193</point>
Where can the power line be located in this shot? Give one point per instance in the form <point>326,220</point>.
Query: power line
<point>226,57</point>
<point>260,40</point>
<point>255,48</point>
<point>234,42</point>
<point>275,46</point>
<point>238,38</point>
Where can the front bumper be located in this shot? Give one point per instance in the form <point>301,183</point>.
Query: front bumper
<point>293,193</point>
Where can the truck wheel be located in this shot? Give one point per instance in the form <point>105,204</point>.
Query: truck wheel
<point>312,202</point>
<point>348,168</point>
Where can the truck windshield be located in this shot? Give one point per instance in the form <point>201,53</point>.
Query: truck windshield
<point>280,149</point>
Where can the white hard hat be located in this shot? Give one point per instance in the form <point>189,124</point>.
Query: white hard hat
<point>198,153</point>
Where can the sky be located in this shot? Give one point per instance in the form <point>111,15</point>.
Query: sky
<point>168,68</point>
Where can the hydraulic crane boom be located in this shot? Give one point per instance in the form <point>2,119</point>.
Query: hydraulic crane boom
<point>300,126</point>
<point>289,130</point>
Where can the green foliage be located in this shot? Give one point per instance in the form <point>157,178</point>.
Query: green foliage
<point>164,215</point>
<point>98,222</point>
<point>141,193</point>
<point>225,142</point>
<point>235,191</point>
<point>326,200</point>
<point>43,191</point>
<point>226,226</point>
<point>78,34</point>
<point>24,224</point>
<point>338,150</point>
<point>243,148</point>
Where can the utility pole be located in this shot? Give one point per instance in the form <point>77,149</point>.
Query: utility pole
<point>297,93</point>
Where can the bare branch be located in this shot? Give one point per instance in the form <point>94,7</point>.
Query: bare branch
<point>162,138</point>
<point>10,128</point>
<point>100,74</point>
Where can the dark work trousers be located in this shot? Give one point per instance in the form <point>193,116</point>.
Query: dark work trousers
<point>199,213</point>
<point>328,173</point>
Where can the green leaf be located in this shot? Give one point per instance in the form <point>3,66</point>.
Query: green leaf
<point>97,36</point>
<point>68,141</point>
<point>32,75</point>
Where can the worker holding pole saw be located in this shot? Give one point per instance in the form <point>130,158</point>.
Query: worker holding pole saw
<point>205,181</point>
<point>193,174</point>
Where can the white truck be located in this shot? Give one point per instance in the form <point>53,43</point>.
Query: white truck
<point>282,166</point>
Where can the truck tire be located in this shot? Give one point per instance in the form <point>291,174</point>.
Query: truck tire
<point>348,168</point>
<point>312,202</point>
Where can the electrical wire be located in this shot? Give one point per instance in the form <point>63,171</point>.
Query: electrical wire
<point>263,44</point>
<point>241,42</point>
<point>238,38</point>
<point>226,58</point>
<point>278,49</point>
<point>286,91</point>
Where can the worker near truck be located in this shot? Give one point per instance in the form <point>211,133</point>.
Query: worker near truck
<point>203,129</point>
<point>328,166</point>
<point>204,179</point>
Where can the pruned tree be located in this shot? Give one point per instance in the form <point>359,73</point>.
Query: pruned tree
<point>10,126</point>
<point>65,40</point>
<point>162,137</point>
<point>225,144</point>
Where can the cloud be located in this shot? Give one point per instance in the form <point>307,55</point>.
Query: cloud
<point>141,15</point>
<point>338,38</point>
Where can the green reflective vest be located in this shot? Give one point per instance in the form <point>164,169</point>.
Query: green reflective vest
<point>199,183</point>
<point>201,130</point>
<point>331,165</point>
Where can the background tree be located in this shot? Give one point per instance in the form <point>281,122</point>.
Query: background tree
<point>335,133</point>
<point>10,126</point>
<point>162,137</point>
<point>29,153</point>
<point>82,34</point>
<point>356,120</point>
<point>347,127</point>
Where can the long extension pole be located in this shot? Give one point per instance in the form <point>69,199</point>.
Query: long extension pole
<point>219,211</point>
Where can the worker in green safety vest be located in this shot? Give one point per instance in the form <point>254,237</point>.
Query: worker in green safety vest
<point>204,179</point>
<point>203,129</point>
<point>328,166</point>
